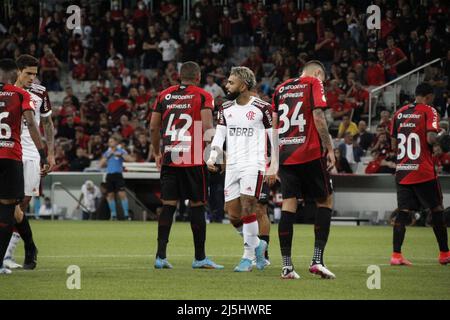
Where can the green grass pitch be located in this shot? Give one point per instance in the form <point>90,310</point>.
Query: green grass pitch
<point>116,262</point>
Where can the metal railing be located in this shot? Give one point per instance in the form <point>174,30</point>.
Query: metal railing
<point>394,82</point>
<point>52,197</point>
<point>138,202</point>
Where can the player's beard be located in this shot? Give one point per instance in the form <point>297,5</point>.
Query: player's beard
<point>232,95</point>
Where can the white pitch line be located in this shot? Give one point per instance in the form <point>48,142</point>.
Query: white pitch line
<point>151,255</point>
<point>186,267</point>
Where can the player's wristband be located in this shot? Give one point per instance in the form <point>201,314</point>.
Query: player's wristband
<point>43,157</point>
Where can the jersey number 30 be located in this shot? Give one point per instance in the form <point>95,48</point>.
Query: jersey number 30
<point>5,130</point>
<point>297,118</point>
<point>406,145</point>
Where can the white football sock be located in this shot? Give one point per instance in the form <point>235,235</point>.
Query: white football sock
<point>251,240</point>
<point>15,238</point>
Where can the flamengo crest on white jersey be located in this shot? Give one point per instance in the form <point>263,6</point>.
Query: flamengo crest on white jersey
<point>246,136</point>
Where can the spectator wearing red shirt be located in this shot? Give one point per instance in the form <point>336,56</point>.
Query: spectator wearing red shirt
<point>81,139</point>
<point>79,71</point>
<point>49,71</point>
<point>257,16</point>
<point>335,97</point>
<point>432,46</point>
<point>225,26</point>
<point>325,48</point>
<point>117,108</point>
<point>167,9</point>
<point>306,22</point>
<point>290,12</point>
<point>119,88</point>
<point>438,14</point>
<point>382,144</point>
<point>441,159</point>
<point>388,25</point>
<point>133,46</point>
<point>357,98</point>
<point>255,63</point>
<point>375,73</point>
<point>116,13</point>
<point>126,130</point>
<point>143,97</point>
<point>385,119</point>
<point>76,51</point>
<point>62,163</point>
<point>393,57</point>
<point>140,15</point>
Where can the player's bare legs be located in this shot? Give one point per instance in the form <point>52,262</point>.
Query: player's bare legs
<point>124,200</point>
<point>321,232</point>
<point>233,208</point>
<point>253,246</point>
<point>263,224</point>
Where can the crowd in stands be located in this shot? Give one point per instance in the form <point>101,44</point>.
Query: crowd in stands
<point>131,53</point>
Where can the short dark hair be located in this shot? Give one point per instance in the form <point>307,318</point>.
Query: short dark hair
<point>316,63</point>
<point>26,60</point>
<point>424,89</point>
<point>7,65</point>
<point>189,70</point>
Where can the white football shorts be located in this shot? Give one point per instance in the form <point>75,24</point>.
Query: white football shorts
<point>246,181</point>
<point>32,177</point>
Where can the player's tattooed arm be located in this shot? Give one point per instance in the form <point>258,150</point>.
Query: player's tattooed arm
<point>34,133</point>
<point>155,127</point>
<point>322,129</point>
<point>207,119</point>
<point>49,132</point>
<point>272,172</point>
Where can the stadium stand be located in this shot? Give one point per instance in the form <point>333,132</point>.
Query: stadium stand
<point>125,52</point>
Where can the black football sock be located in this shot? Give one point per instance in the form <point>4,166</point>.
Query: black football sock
<point>285,233</point>
<point>164,224</point>
<point>198,227</point>
<point>24,229</point>
<point>321,232</point>
<point>266,238</point>
<point>6,227</point>
<point>400,230</point>
<point>440,230</point>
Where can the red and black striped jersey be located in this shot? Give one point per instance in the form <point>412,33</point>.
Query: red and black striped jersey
<point>13,102</point>
<point>294,102</point>
<point>409,127</point>
<point>182,130</point>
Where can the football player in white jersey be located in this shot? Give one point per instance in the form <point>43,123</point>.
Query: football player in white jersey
<point>244,123</point>
<point>28,69</point>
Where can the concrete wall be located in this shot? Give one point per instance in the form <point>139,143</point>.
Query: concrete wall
<point>353,193</point>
